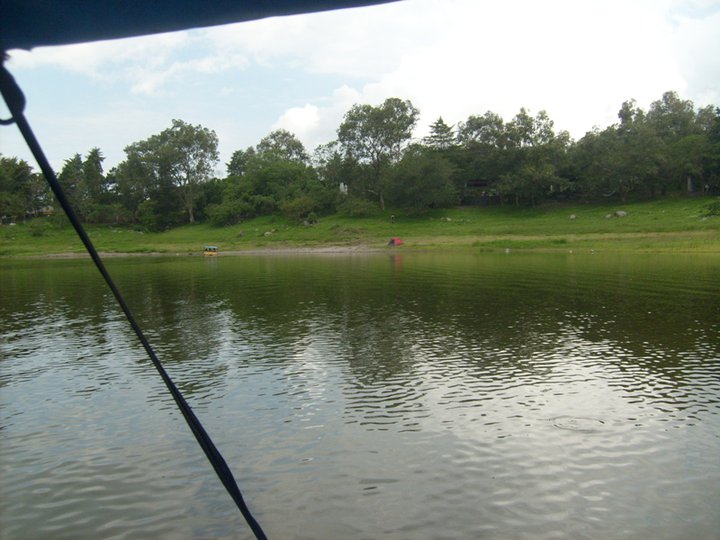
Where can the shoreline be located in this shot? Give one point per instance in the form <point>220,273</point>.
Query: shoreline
<point>315,250</point>
<point>365,249</point>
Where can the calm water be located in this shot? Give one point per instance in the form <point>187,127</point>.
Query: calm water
<point>418,396</point>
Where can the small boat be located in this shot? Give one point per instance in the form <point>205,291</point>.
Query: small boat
<point>210,251</point>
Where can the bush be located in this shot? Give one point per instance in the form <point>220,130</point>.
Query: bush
<point>713,209</point>
<point>228,213</point>
<point>108,214</point>
<point>59,220</point>
<point>298,208</point>
<point>147,216</point>
<point>353,207</point>
<point>38,227</point>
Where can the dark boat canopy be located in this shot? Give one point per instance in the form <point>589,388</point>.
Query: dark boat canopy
<point>25,24</point>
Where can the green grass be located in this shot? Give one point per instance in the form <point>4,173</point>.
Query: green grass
<point>676,224</point>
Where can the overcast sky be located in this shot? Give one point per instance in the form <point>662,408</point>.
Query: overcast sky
<point>577,59</point>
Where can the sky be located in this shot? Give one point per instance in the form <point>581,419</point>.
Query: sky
<point>577,59</point>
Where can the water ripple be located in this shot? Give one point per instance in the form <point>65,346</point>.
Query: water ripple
<point>446,397</point>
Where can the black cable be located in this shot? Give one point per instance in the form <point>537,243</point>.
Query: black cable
<point>15,101</point>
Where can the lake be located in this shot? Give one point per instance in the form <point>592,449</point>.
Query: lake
<point>361,396</point>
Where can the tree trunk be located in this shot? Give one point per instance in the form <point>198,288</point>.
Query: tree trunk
<point>191,215</point>
<point>382,201</point>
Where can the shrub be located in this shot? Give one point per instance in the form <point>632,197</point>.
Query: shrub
<point>147,216</point>
<point>354,207</point>
<point>298,208</point>
<point>228,213</point>
<point>38,227</point>
<point>59,220</point>
<point>713,209</point>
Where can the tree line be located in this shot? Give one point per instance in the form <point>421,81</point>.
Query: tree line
<point>168,179</point>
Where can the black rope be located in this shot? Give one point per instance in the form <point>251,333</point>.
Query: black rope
<point>15,101</point>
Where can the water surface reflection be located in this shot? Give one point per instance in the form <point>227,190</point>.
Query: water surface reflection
<point>437,396</point>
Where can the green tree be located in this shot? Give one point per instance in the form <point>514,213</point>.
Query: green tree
<point>376,136</point>
<point>281,144</point>
<point>599,168</point>
<point>132,183</point>
<point>711,160</point>
<point>441,135</point>
<point>524,130</point>
<point>102,205</point>
<point>481,162</point>
<point>672,118</point>
<point>487,130</point>
<point>239,161</point>
<point>534,156</point>
<point>182,156</point>
<point>641,152</point>
<point>72,181</point>
<point>328,163</point>
<point>196,154</point>
<point>93,177</point>
<point>422,180</point>
<point>22,192</point>
<point>152,166</point>
<point>274,176</point>
<point>687,157</point>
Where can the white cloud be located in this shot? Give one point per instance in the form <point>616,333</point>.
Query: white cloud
<point>497,60</point>
<point>696,44</point>
<point>99,58</point>
<point>145,64</point>
<point>150,80</point>
<point>315,125</point>
<point>357,43</point>
<point>299,120</point>
<point>579,61</point>
<point>452,58</point>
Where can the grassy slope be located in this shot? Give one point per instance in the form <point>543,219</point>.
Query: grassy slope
<point>666,225</point>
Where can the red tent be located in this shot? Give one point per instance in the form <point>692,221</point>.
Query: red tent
<point>396,241</point>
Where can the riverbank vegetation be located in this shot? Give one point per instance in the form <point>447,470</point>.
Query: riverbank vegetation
<point>483,182</point>
<point>678,224</point>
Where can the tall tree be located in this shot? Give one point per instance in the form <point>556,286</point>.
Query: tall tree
<point>95,182</point>
<point>422,180</point>
<point>133,183</point>
<point>487,130</point>
<point>239,160</point>
<point>672,118</point>
<point>534,153</point>
<point>376,135</point>
<point>183,156</point>
<point>72,180</point>
<point>281,144</point>
<point>196,151</point>
<point>22,192</point>
<point>481,161</point>
<point>441,135</point>
<point>642,152</point>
